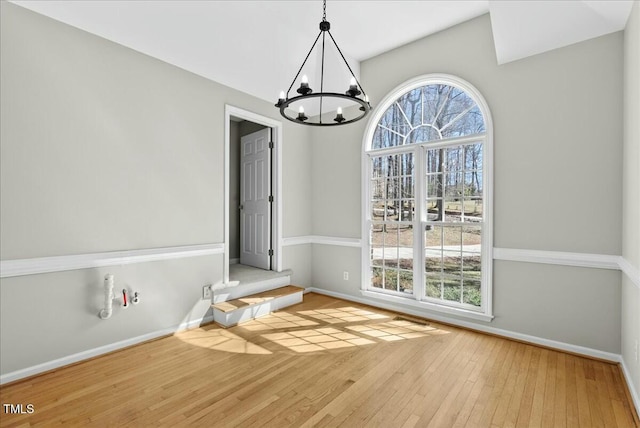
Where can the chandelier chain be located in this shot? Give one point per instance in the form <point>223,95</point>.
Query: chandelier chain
<point>324,10</point>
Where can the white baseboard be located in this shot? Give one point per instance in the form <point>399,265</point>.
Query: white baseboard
<point>95,352</point>
<point>576,349</point>
<point>234,261</point>
<point>635,397</point>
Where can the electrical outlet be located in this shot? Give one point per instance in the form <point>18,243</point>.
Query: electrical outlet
<point>345,275</point>
<point>206,291</point>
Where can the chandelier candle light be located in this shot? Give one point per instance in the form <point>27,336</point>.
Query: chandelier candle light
<point>306,93</point>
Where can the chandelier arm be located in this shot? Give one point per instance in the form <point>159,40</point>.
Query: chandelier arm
<point>345,61</point>
<point>303,63</point>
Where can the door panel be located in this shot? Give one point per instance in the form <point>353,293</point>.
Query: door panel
<point>255,215</point>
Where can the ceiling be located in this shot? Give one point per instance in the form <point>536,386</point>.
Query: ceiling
<point>257,46</point>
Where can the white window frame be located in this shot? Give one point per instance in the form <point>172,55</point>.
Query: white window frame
<point>485,312</point>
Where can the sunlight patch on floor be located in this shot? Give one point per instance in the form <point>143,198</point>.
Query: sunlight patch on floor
<point>220,340</point>
<point>317,339</point>
<point>396,330</point>
<point>342,315</point>
<point>277,320</point>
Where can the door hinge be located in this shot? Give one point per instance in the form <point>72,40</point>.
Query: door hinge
<point>271,145</point>
<point>270,198</point>
<point>271,252</point>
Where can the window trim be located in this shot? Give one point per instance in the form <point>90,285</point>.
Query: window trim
<point>486,311</point>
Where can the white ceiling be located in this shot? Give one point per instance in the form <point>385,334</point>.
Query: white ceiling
<point>257,46</point>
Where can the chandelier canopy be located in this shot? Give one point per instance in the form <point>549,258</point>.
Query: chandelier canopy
<point>353,96</point>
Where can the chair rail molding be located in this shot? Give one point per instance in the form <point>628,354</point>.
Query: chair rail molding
<point>600,261</point>
<point>631,271</point>
<point>33,266</point>
<point>322,240</point>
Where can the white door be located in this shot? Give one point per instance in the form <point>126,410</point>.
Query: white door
<point>255,207</point>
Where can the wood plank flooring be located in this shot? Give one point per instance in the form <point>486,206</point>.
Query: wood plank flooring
<point>327,363</point>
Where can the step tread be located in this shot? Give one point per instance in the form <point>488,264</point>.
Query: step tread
<point>254,299</point>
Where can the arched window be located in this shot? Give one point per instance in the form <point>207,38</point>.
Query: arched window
<point>428,181</point>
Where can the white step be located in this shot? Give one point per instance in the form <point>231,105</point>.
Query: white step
<point>235,311</point>
<point>235,290</point>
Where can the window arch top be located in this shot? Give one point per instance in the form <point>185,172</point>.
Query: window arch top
<point>431,112</point>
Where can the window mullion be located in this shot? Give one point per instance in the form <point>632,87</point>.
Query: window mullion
<point>420,217</point>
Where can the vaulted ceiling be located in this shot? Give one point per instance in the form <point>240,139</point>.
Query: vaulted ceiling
<point>257,46</point>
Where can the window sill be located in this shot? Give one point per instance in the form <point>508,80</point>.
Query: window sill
<point>429,306</point>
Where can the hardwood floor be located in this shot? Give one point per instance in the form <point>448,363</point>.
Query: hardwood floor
<point>327,363</point>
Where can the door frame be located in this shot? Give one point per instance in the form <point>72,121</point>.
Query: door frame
<point>276,183</point>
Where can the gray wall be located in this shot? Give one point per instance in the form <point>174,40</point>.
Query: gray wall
<point>631,194</point>
<point>106,149</point>
<point>557,176</point>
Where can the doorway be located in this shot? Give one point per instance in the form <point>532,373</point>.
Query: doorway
<point>253,227</point>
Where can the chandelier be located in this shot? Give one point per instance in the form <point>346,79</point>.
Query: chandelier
<point>350,98</point>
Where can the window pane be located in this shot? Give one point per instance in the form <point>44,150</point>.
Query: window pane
<point>406,210</point>
<point>434,160</point>
<point>472,293</point>
<point>472,184</point>
<point>452,263</point>
<point>473,156</point>
<point>378,209</point>
<point>434,209</point>
<point>378,188</point>
<point>406,281</point>
<point>453,185</point>
<point>391,279</point>
<point>411,104</point>
<point>377,278</point>
<point>471,239</point>
<point>434,185</point>
<point>433,286</point>
<point>452,288</point>
<point>473,209</point>
<point>454,159</point>
<point>386,138</point>
<point>471,266</point>
<point>435,101</point>
<point>394,120</point>
<point>452,238</point>
<point>377,244</point>
<point>434,238</point>
<point>458,117</point>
